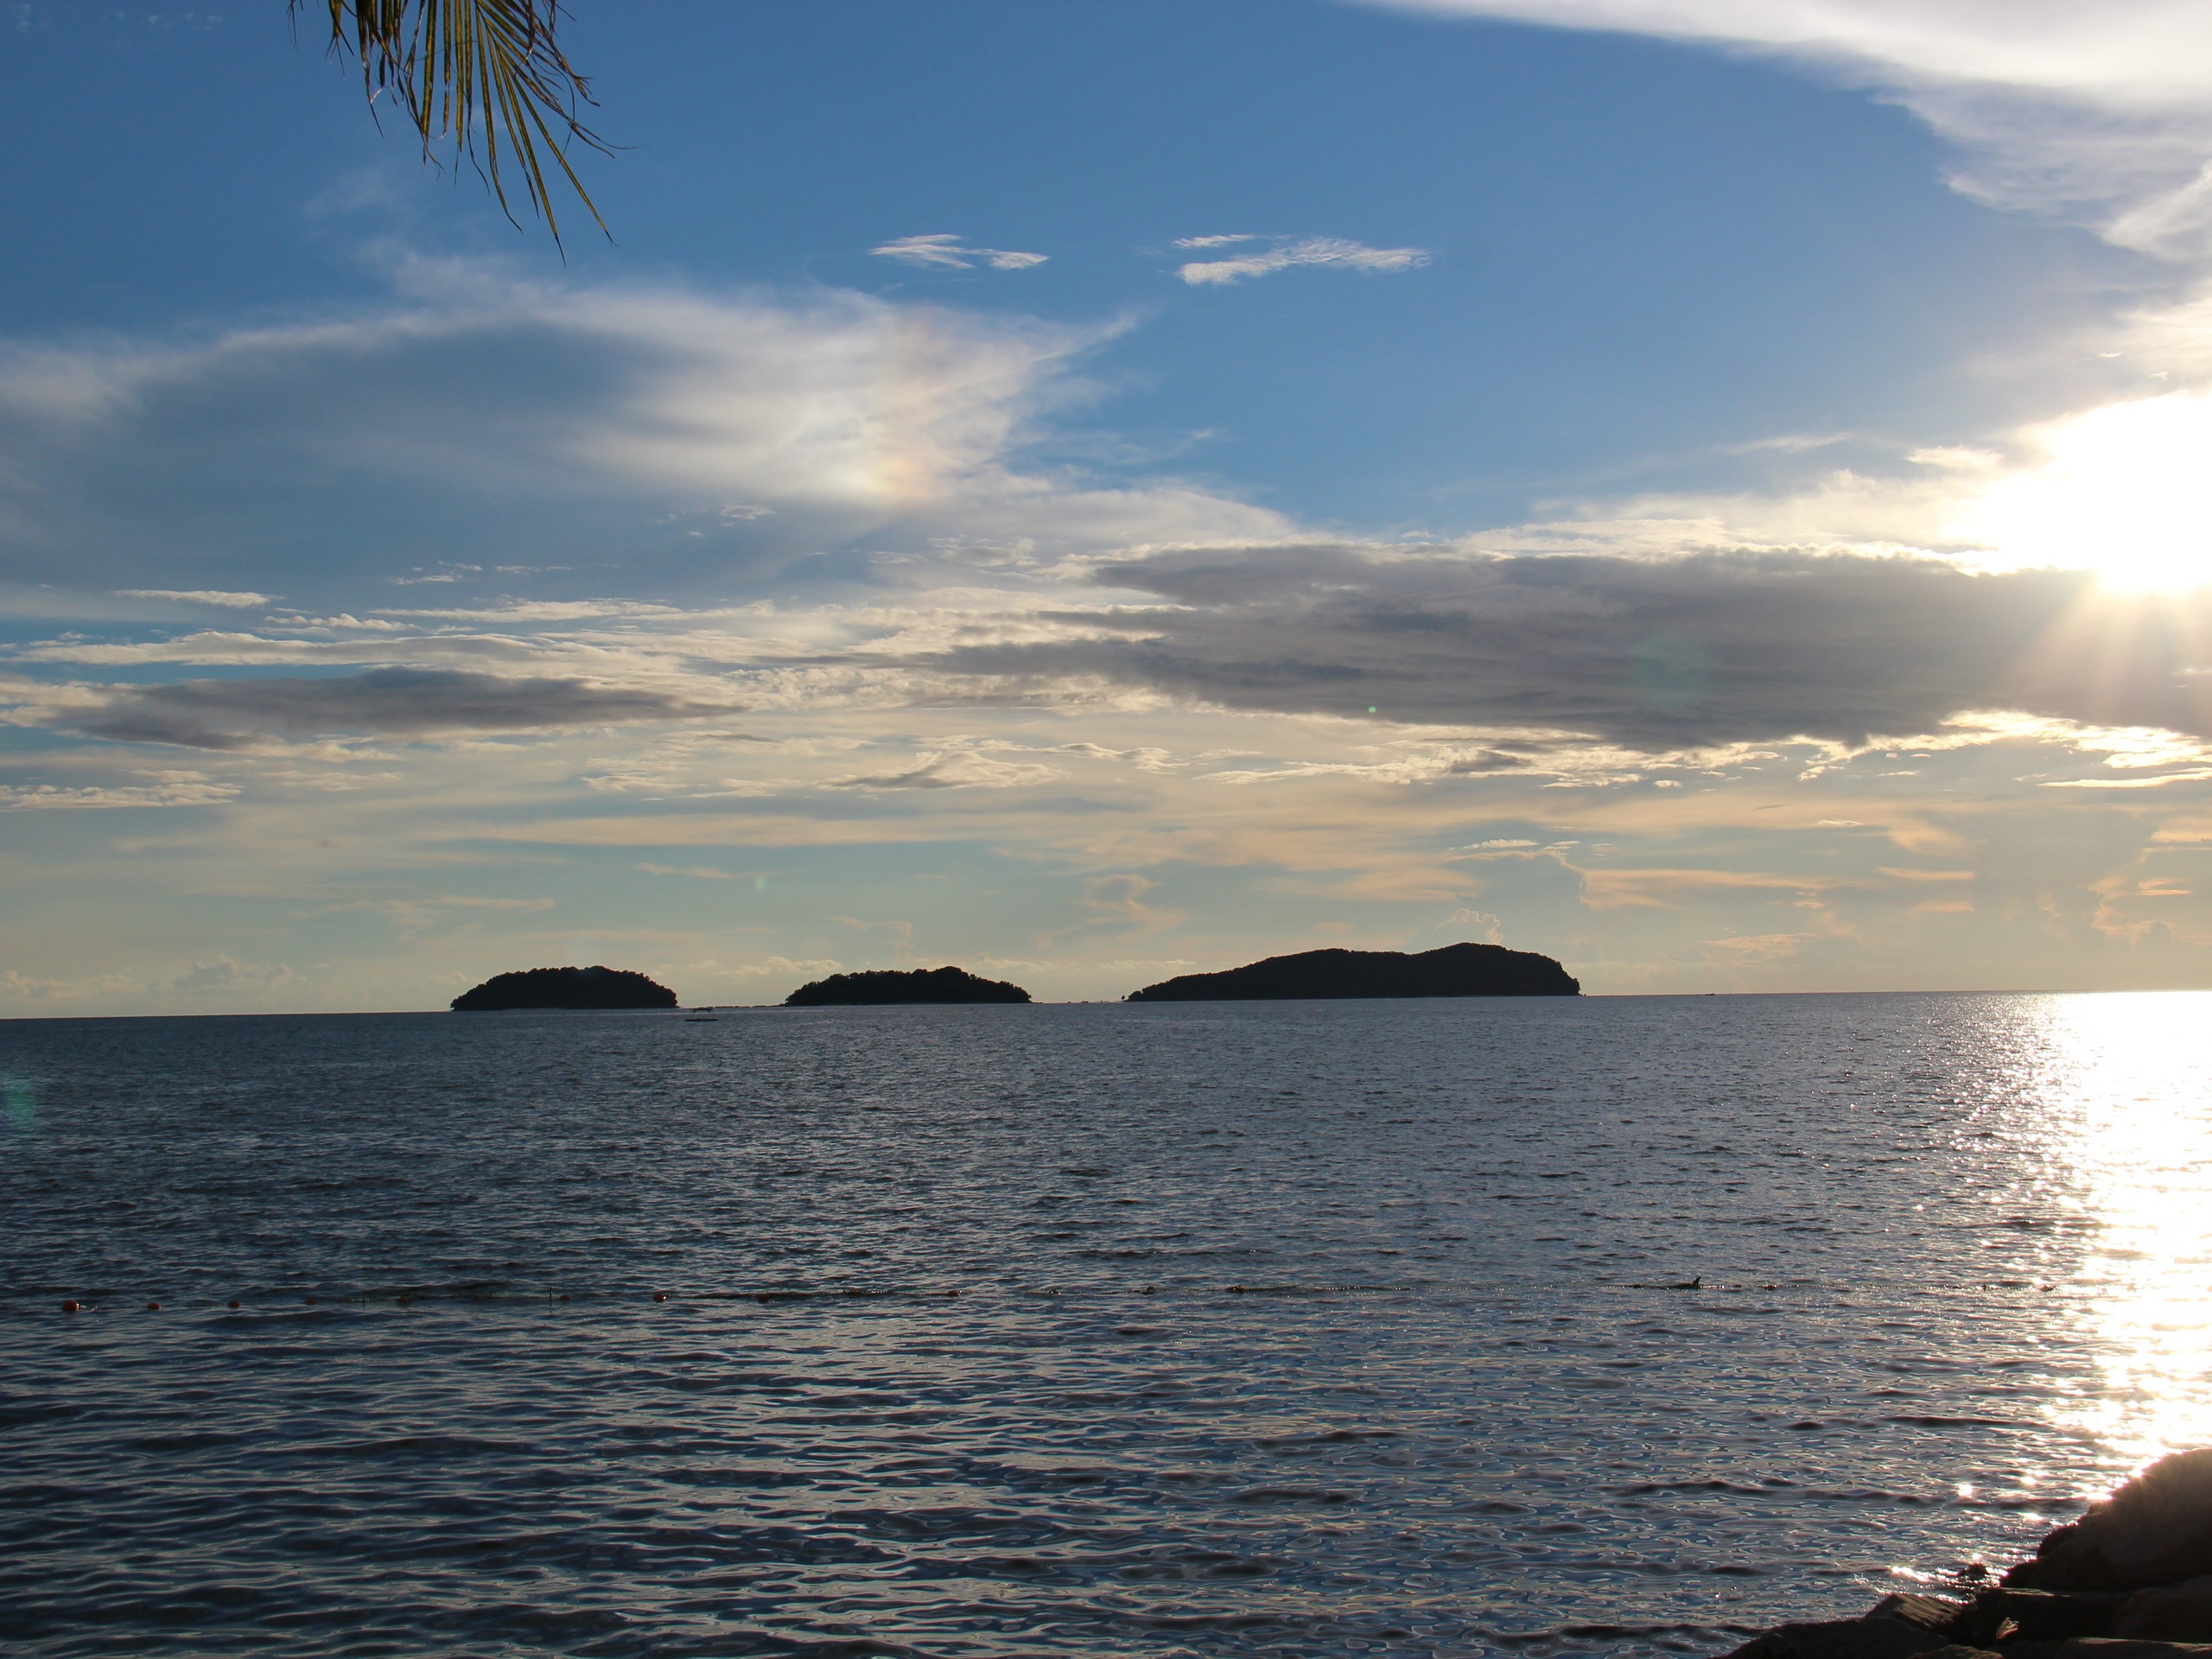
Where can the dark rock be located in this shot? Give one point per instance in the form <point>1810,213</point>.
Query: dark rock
<point>1938,1613</point>
<point>1877,1636</point>
<point>565,987</point>
<point>2016,1615</point>
<point>1453,971</point>
<point>2156,1529</point>
<point>2130,1579</point>
<point>914,985</point>
<point>2170,1612</point>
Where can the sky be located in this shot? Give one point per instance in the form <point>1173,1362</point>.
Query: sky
<point>1712,491</point>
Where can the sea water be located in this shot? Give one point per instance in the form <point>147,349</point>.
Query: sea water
<point>1438,1327</point>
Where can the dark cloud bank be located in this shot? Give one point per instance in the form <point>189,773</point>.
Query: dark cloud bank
<point>383,702</point>
<point>1656,655</point>
<point>1652,654</point>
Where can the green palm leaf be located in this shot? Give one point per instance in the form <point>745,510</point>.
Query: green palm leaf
<point>486,76</point>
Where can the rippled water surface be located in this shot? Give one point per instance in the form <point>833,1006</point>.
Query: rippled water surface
<point>1610,1324</point>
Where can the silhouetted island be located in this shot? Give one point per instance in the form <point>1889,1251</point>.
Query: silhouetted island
<point>1453,971</point>
<point>565,987</point>
<point>912,985</point>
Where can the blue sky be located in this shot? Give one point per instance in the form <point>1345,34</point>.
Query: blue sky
<point>1745,461</point>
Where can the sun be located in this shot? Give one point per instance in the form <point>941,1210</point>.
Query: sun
<point>2125,490</point>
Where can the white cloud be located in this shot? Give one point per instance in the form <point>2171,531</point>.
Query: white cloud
<point>1229,241</point>
<point>1332,250</point>
<point>2098,107</point>
<point>505,418</point>
<point>201,596</point>
<point>166,789</point>
<point>944,252</point>
<point>2119,489</point>
<point>2198,776</point>
<point>954,770</point>
<point>1465,923</point>
<point>2124,54</point>
<point>773,966</point>
<point>225,975</point>
<point>34,989</point>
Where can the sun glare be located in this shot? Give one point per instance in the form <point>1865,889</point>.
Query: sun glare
<point>2131,1095</point>
<point>2125,490</point>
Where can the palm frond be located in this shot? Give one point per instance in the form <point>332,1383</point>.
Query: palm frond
<point>470,70</point>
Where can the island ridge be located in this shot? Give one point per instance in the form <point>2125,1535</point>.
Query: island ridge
<point>946,984</point>
<point>1450,971</point>
<point>565,987</point>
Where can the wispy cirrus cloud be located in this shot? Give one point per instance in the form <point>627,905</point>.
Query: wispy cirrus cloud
<point>238,601</point>
<point>396,702</point>
<point>946,251</point>
<point>523,431</point>
<point>1290,253</point>
<point>964,769</point>
<point>2100,108</point>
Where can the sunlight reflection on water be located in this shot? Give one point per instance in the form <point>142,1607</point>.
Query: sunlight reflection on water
<point>2129,1092</point>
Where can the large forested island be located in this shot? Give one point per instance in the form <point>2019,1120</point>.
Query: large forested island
<point>1453,971</point>
<point>912,985</point>
<point>565,987</point>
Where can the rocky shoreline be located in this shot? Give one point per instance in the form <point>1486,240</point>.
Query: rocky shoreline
<point>2130,1579</point>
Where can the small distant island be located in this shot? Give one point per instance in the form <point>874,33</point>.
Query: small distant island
<point>912,985</point>
<point>565,987</point>
<point>1451,970</point>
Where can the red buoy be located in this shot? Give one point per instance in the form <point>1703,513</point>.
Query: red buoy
<point>153,1307</point>
<point>658,1297</point>
<point>69,1308</point>
<point>234,1303</point>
